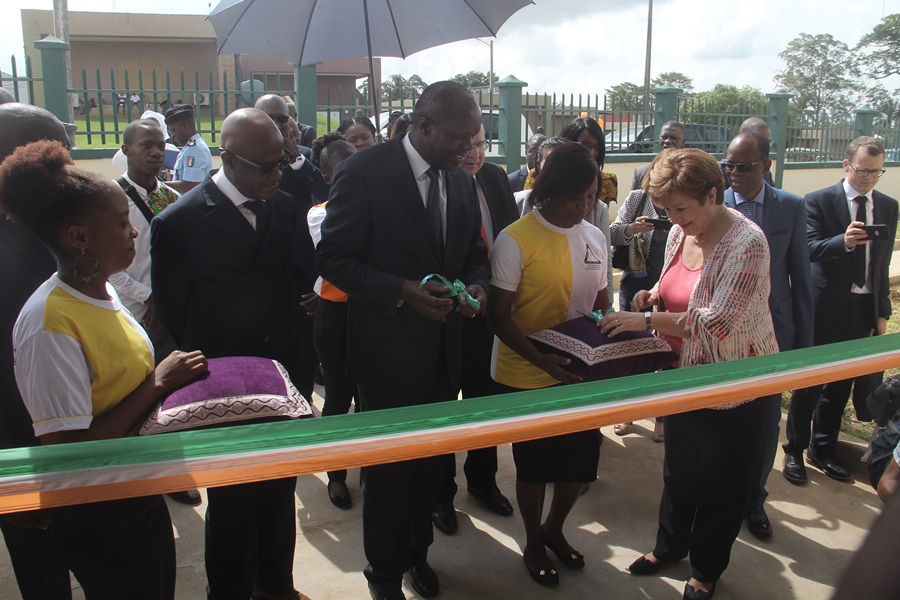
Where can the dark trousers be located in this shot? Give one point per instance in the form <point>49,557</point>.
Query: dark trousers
<point>118,548</point>
<point>40,571</point>
<point>475,382</point>
<point>250,536</point>
<point>330,338</point>
<point>707,463</point>
<point>764,457</point>
<point>629,286</point>
<point>398,498</point>
<point>304,378</point>
<point>814,418</point>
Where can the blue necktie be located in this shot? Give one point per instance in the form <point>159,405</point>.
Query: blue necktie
<point>859,253</point>
<point>749,208</point>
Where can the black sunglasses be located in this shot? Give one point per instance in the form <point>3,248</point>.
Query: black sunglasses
<point>742,167</point>
<point>264,169</point>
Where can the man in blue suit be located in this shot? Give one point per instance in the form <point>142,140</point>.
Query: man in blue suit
<point>782,217</point>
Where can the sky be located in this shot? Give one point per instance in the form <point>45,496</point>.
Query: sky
<point>586,46</point>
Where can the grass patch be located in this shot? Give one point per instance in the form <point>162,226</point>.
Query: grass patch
<point>849,423</point>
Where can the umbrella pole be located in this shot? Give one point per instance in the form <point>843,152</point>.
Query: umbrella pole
<point>373,93</point>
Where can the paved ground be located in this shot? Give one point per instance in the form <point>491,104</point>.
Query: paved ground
<point>817,528</point>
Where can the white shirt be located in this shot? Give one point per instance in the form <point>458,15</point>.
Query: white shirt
<point>852,205</point>
<point>420,171</point>
<point>232,193</point>
<point>133,284</point>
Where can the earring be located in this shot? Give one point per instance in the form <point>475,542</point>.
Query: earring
<point>85,256</point>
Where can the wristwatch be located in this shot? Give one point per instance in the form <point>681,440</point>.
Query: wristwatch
<point>648,315</point>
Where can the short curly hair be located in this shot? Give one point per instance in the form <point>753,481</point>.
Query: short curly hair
<point>40,186</point>
<point>688,171</point>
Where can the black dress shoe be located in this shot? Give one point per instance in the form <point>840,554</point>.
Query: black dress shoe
<point>444,518</point>
<point>758,523</point>
<point>691,594</point>
<point>424,580</point>
<point>794,470</point>
<point>378,592</point>
<point>573,560</point>
<point>545,577</point>
<point>339,495</point>
<point>493,499</point>
<point>827,463</point>
<point>643,566</point>
<point>189,497</point>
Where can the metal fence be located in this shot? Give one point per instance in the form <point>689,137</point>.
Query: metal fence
<point>102,108</point>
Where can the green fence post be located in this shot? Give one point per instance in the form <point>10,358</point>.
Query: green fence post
<point>865,121</point>
<point>56,90</point>
<point>305,94</point>
<point>778,124</point>
<point>666,107</point>
<point>509,131</point>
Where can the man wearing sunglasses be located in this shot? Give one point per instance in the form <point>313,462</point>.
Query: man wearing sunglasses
<point>223,280</point>
<point>303,181</point>
<point>194,162</point>
<point>782,217</point>
<point>851,295</point>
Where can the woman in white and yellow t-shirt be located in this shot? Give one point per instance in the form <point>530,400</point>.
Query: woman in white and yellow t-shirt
<point>546,267</point>
<point>85,367</point>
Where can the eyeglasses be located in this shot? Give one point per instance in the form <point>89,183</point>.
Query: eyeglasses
<point>280,119</point>
<point>876,173</point>
<point>483,145</point>
<point>264,169</point>
<point>742,167</point>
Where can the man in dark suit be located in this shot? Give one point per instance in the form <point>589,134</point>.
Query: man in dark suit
<point>224,283</point>
<point>398,212</point>
<point>851,293</point>
<point>303,181</point>
<point>498,209</point>
<point>25,263</point>
<point>517,179</point>
<point>671,136</point>
<point>782,217</point>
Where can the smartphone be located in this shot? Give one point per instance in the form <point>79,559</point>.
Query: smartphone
<point>665,224</point>
<point>876,233</point>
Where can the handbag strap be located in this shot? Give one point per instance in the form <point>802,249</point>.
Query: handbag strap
<point>136,198</point>
<point>640,208</point>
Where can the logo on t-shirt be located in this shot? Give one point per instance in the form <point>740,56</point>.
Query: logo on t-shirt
<point>590,259</point>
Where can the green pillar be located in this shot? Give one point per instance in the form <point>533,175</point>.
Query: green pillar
<point>865,118</point>
<point>777,120</point>
<point>56,90</point>
<point>666,107</point>
<point>305,94</point>
<point>510,129</point>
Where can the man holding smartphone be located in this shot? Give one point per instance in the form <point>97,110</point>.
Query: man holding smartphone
<point>851,294</point>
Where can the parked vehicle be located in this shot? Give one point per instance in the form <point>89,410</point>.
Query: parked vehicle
<point>711,138</point>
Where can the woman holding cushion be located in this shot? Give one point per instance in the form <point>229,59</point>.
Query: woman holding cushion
<point>84,366</point>
<point>546,267</point>
<point>712,306</point>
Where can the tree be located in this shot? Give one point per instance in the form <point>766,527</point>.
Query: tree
<point>883,48</point>
<point>822,74</point>
<point>679,80</point>
<point>888,104</point>
<point>625,97</point>
<point>474,79</point>
<point>396,87</point>
<point>736,103</point>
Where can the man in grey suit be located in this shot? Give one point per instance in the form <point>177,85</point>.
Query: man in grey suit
<point>782,217</point>
<point>851,294</point>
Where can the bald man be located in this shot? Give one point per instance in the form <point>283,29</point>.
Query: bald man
<point>223,281</point>
<point>24,265</point>
<point>6,96</point>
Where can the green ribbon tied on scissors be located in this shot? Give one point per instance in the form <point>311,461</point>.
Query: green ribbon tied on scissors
<point>457,290</point>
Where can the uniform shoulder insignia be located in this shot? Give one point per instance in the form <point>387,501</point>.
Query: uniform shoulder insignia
<point>191,142</point>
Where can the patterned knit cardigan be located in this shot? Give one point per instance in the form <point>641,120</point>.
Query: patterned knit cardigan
<point>728,313</point>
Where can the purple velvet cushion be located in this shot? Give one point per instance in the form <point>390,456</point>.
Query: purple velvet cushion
<point>595,356</point>
<point>237,389</point>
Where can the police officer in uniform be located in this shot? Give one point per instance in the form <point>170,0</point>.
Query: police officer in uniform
<point>194,162</point>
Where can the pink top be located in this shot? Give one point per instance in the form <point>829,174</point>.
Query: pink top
<point>675,289</point>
